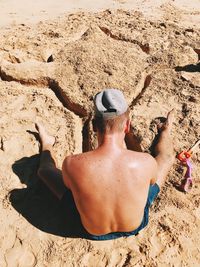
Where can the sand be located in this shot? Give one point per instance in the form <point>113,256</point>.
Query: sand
<point>53,59</point>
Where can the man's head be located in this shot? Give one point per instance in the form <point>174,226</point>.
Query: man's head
<point>111,112</point>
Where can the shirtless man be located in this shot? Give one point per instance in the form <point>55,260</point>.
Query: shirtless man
<point>112,186</point>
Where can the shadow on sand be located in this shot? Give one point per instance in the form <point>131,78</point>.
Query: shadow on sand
<point>37,204</point>
<point>189,68</point>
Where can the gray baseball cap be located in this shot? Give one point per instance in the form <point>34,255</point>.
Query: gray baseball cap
<point>110,103</point>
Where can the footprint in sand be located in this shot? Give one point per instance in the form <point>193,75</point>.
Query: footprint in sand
<point>9,239</point>
<point>19,256</point>
<point>118,258</point>
<point>157,245</point>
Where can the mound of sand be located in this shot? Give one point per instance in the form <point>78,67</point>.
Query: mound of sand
<point>49,73</point>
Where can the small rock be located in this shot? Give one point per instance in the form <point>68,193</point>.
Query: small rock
<point>192,77</point>
<point>186,57</point>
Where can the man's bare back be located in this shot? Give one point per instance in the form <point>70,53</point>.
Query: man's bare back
<point>110,187</point>
<point>110,184</point>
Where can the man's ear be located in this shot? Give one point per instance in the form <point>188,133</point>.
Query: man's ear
<point>94,125</point>
<point>127,126</point>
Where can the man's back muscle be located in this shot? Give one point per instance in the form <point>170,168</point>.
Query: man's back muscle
<point>109,188</point>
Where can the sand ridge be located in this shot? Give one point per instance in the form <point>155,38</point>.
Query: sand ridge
<point>49,73</point>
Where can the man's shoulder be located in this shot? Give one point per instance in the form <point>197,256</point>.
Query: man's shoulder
<point>149,159</point>
<point>70,168</point>
<point>141,155</point>
<point>144,160</point>
<point>72,160</point>
<point>75,157</point>
<point>149,163</point>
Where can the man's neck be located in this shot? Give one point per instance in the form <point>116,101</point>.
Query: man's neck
<point>114,140</point>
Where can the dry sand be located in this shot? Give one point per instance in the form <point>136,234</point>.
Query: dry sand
<point>49,72</point>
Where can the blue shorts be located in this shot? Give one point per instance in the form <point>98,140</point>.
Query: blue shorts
<point>74,227</point>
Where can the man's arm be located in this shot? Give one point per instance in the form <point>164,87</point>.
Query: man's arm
<point>153,170</point>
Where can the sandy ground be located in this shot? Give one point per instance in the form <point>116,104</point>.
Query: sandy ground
<point>51,64</point>
<point>21,11</point>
